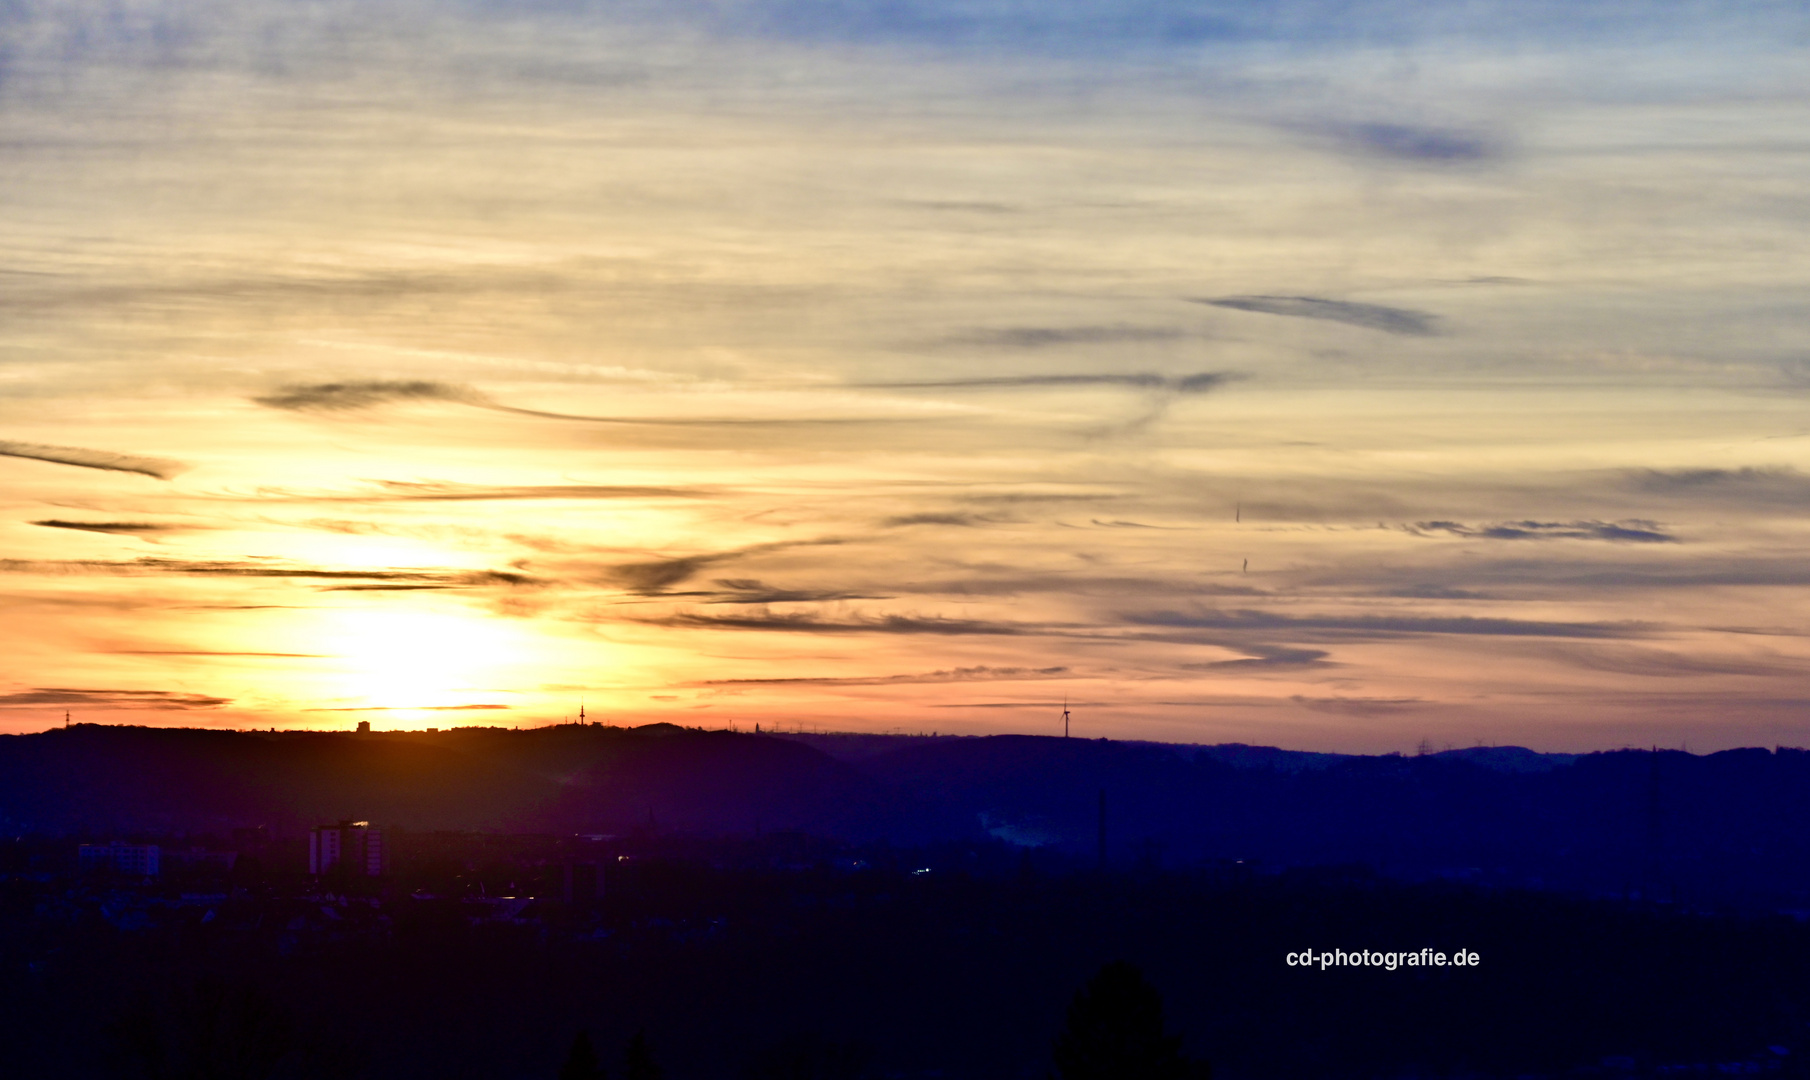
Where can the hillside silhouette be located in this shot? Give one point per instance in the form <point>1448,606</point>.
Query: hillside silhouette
<point>1725,827</point>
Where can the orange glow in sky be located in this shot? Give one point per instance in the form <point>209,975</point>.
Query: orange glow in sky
<point>445,367</point>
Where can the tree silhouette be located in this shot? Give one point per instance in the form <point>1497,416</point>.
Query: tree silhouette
<point>638,1062</point>
<point>1115,1032</point>
<point>581,1060</point>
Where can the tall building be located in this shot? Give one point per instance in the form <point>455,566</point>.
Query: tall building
<point>143,860</point>
<point>352,843</point>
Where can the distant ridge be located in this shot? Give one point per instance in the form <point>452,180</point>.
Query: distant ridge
<point>1508,759</point>
<point>860,746</point>
<point>1732,826</point>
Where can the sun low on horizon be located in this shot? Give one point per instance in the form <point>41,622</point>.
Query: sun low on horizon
<point>1336,377</point>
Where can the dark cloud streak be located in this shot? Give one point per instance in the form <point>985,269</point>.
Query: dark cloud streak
<point>1635,531</point>
<point>1411,142</point>
<point>354,396</point>
<point>110,699</point>
<point>812,624</point>
<point>964,521</point>
<point>1390,320</point>
<point>360,396</point>
<point>751,591</point>
<point>409,708</point>
<point>1357,706</point>
<point>123,528</point>
<point>960,674</point>
<point>159,468</point>
<point>427,578</point>
<point>654,576</point>
<point>1040,337</point>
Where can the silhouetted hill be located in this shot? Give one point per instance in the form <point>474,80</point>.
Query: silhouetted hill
<point>94,779</point>
<point>716,782</point>
<point>1727,826</point>
<point>1721,826</point>
<point>1516,759</point>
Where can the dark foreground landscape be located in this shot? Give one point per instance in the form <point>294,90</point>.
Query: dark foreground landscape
<point>868,906</point>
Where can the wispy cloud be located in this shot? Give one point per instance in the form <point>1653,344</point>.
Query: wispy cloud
<point>1433,592</point>
<point>1043,337</point>
<point>360,396</point>
<point>160,468</point>
<point>1381,626</point>
<point>657,575</point>
<point>353,396</point>
<point>1198,383</point>
<point>1357,706</point>
<point>1699,479</point>
<point>1775,486</point>
<point>110,699</point>
<point>410,708</point>
<point>1390,320</point>
<point>808,623</point>
<point>654,576</point>
<point>979,673</point>
<point>1663,663</point>
<point>123,528</point>
<point>1091,27</point>
<point>382,588</point>
<point>1583,576</point>
<point>752,591</point>
<point>371,394</point>
<point>1413,142</point>
<point>216,652</point>
<point>1712,571</point>
<point>941,317</point>
<point>1267,657</point>
<point>1629,532</point>
<point>1012,582</point>
<point>438,491</point>
<point>426,577</point>
<point>965,521</point>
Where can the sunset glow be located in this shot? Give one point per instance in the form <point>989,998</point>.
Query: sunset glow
<point>1425,379</point>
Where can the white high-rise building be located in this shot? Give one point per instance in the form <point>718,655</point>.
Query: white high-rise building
<point>353,843</point>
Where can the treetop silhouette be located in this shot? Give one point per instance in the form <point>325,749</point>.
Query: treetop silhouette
<point>1115,1032</point>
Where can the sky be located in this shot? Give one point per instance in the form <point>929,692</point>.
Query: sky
<point>1346,376</point>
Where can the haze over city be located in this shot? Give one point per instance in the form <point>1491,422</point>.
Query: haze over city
<point>1326,376</point>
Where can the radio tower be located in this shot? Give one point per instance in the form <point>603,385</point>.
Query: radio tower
<point>1065,716</point>
<point>581,712</point>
